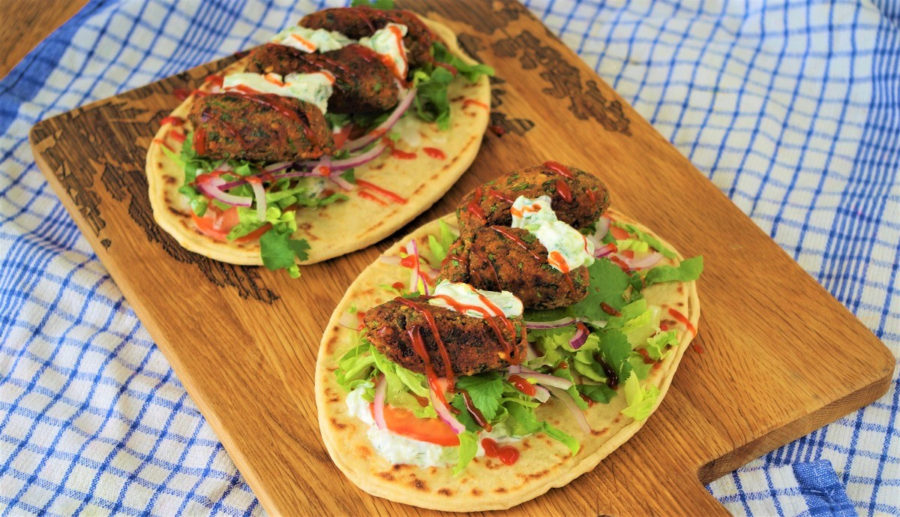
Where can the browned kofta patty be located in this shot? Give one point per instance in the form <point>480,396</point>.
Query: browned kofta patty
<point>359,22</point>
<point>362,83</point>
<point>500,258</point>
<point>577,197</point>
<point>258,127</point>
<point>472,344</point>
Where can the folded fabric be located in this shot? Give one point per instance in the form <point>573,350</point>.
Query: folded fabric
<point>800,489</point>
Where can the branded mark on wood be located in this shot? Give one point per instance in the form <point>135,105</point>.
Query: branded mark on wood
<point>500,123</point>
<point>120,156</point>
<point>585,101</point>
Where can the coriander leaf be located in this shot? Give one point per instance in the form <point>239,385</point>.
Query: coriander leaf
<point>522,420</point>
<point>485,391</point>
<point>349,175</point>
<point>597,392</point>
<point>687,271</point>
<point>384,5</point>
<point>463,414</point>
<point>615,350</point>
<point>432,104</point>
<point>278,251</point>
<point>607,285</point>
<point>471,72</point>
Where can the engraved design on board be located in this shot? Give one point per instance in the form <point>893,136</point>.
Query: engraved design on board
<point>504,11</point>
<point>106,137</point>
<point>565,81</point>
<point>500,123</point>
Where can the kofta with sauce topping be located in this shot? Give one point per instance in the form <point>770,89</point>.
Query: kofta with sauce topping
<point>258,127</point>
<point>500,258</point>
<point>360,22</point>
<point>363,84</point>
<point>577,197</point>
<point>473,345</point>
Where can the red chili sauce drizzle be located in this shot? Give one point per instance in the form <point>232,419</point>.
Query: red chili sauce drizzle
<point>559,168</point>
<point>507,454</point>
<point>496,194</point>
<point>175,121</point>
<point>523,385</point>
<point>609,309</point>
<point>474,206</point>
<point>497,129</point>
<point>432,325</point>
<point>200,140</point>
<point>178,136</point>
<point>488,317</point>
<point>477,415</point>
<point>562,188</point>
<point>473,102</point>
<point>370,197</point>
<point>564,269</point>
<point>403,155</point>
<point>383,191</point>
<point>683,319</point>
<point>435,153</point>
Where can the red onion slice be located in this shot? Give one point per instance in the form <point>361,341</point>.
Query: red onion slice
<point>212,187</point>
<point>541,394</point>
<point>602,228</point>
<point>555,324</point>
<point>393,260</point>
<point>445,414</point>
<point>579,338</point>
<point>378,403</point>
<point>276,167</point>
<point>546,379</point>
<point>567,401</point>
<point>643,262</point>
<point>385,126</point>
<point>604,250</point>
<point>260,193</point>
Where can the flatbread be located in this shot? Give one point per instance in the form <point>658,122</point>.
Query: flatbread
<point>486,484</point>
<point>357,222</point>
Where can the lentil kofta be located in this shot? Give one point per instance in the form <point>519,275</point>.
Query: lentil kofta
<point>578,198</point>
<point>500,258</point>
<point>473,345</point>
<point>362,83</point>
<point>262,127</point>
<point>361,22</point>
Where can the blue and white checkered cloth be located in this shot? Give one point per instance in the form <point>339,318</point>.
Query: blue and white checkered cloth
<point>792,109</point>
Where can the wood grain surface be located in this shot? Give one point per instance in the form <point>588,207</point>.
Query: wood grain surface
<point>26,22</point>
<point>776,357</point>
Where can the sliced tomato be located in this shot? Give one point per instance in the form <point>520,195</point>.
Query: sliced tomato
<point>432,430</point>
<point>216,223</point>
<point>341,136</point>
<point>618,233</point>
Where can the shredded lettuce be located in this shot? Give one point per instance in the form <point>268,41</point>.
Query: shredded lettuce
<point>468,448</point>
<point>384,5</point>
<point>652,241</point>
<point>440,246</point>
<point>640,400</point>
<point>688,270</point>
<point>657,346</point>
<point>432,103</point>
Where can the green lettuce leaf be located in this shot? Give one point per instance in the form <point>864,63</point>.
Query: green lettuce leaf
<point>640,401</point>
<point>687,271</point>
<point>468,448</point>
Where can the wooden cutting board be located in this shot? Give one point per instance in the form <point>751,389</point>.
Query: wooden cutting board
<point>776,357</point>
